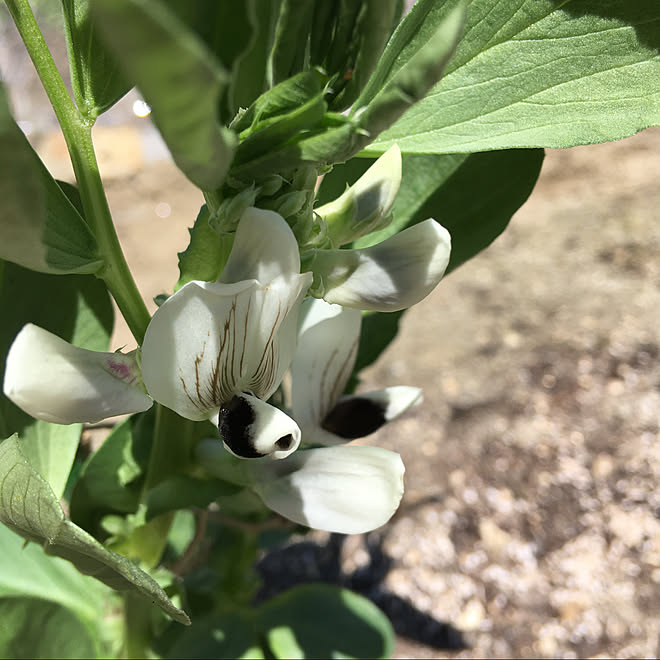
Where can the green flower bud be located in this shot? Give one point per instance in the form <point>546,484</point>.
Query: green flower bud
<point>366,205</point>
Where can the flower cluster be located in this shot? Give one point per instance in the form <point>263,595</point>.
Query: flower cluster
<point>219,350</point>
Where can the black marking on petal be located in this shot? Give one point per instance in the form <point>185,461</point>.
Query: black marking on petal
<point>285,442</point>
<point>355,417</point>
<point>234,422</point>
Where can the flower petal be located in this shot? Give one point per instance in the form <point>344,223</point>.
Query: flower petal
<point>327,347</point>
<point>57,382</point>
<point>349,490</point>
<point>389,276</point>
<point>264,248</point>
<point>210,341</point>
<point>252,428</point>
<point>358,415</point>
<point>366,205</point>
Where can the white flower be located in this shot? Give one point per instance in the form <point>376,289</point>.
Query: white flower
<point>213,350</point>
<point>366,205</point>
<point>327,348</point>
<point>392,275</point>
<point>55,381</point>
<point>349,490</point>
<point>218,350</point>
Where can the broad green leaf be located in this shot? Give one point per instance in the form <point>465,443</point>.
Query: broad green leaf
<point>39,227</point>
<point>289,52</point>
<point>373,31</point>
<point>227,634</point>
<point>76,308</point>
<point>408,83</point>
<point>183,491</point>
<point>110,480</point>
<point>472,195</point>
<point>179,78</point>
<point>249,70</point>
<point>95,78</point>
<point>26,570</point>
<point>378,331</point>
<point>228,29</point>
<point>324,621</point>
<point>416,29</point>
<point>31,629</point>
<point>206,254</point>
<point>541,73</point>
<point>29,507</point>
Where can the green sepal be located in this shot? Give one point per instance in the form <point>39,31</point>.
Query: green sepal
<point>206,254</point>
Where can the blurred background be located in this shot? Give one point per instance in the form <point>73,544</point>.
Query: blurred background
<point>530,524</point>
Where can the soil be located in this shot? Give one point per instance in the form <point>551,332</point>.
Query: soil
<point>529,527</point>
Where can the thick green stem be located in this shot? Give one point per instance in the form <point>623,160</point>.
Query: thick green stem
<point>78,137</point>
<point>170,452</point>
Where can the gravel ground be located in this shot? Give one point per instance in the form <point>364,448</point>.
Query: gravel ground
<point>530,521</point>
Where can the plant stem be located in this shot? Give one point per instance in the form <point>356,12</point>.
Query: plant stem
<point>137,626</point>
<point>77,133</point>
<point>170,452</point>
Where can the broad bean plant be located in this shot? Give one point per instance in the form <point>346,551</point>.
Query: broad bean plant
<point>350,153</point>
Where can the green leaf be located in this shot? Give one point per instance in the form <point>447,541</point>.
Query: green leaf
<point>325,621</point>
<point>206,254</point>
<point>340,138</point>
<point>110,480</point>
<point>418,67</point>
<point>179,78</point>
<point>31,629</point>
<point>26,570</point>
<point>378,331</point>
<point>29,507</point>
<point>541,73</point>
<point>249,70</point>
<point>183,491</point>
<point>76,308</point>
<point>39,227</point>
<point>227,634</point>
<point>291,41</point>
<point>95,78</point>
<point>228,29</point>
<point>364,52</point>
<point>282,113</point>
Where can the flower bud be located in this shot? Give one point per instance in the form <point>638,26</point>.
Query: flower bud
<point>366,205</point>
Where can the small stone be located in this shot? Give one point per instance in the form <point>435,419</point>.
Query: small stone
<point>494,538</point>
<point>602,466</point>
<point>457,479</point>
<point>471,616</point>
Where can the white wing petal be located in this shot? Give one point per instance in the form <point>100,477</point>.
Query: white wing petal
<point>327,347</point>
<point>57,382</point>
<point>349,490</point>
<point>389,276</point>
